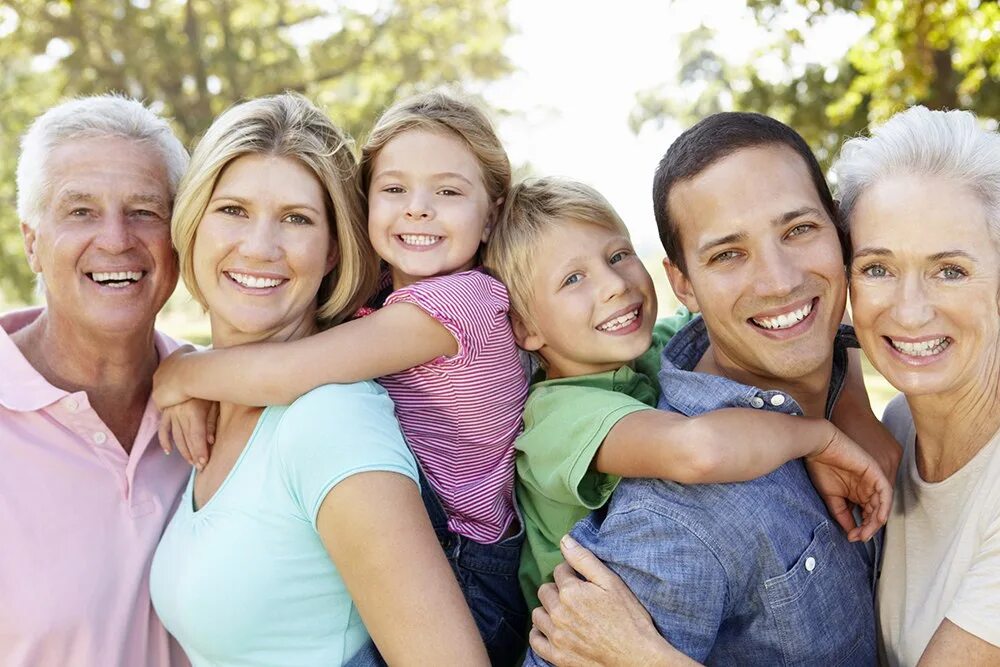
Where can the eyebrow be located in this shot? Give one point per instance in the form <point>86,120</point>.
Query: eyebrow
<point>777,221</point>
<point>393,173</point>
<point>81,197</point>
<point>936,257</point>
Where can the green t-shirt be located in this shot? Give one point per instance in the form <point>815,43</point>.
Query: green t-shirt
<point>565,422</point>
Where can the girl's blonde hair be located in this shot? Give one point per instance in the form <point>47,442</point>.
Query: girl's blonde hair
<point>438,111</point>
<point>286,125</point>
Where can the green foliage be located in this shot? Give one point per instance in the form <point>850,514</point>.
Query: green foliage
<point>191,59</point>
<point>939,53</point>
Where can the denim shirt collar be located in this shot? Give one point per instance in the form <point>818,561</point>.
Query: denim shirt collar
<point>692,393</point>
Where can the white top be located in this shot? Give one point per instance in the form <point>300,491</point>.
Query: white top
<point>942,549</point>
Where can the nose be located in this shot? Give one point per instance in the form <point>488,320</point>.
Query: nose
<point>776,274</point>
<point>612,283</point>
<point>418,207</point>
<point>911,306</point>
<point>262,240</point>
<point>115,235</point>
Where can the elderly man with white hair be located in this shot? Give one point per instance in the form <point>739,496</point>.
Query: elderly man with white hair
<point>86,490</point>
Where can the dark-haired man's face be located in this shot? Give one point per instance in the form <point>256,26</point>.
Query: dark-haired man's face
<point>764,264</point>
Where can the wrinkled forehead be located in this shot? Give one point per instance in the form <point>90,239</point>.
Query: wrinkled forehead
<point>108,168</point>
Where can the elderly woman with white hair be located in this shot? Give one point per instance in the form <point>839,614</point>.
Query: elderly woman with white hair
<point>921,198</point>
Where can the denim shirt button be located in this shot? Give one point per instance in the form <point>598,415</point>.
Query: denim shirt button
<point>757,402</point>
<point>810,564</point>
<point>777,400</point>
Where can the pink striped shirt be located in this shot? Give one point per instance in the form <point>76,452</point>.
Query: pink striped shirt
<point>460,414</point>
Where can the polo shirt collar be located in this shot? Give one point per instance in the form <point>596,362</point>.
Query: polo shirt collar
<point>22,388</point>
<point>692,393</point>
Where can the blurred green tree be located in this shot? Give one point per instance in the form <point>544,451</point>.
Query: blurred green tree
<point>944,54</point>
<point>190,59</point>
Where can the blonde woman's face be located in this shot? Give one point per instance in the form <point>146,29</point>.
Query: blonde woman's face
<point>428,209</point>
<point>924,285</point>
<point>262,249</point>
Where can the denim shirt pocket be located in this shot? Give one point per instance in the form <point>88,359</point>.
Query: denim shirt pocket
<point>822,607</point>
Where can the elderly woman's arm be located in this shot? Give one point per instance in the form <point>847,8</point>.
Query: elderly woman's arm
<point>951,645</point>
<point>595,621</point>
<point>376,530</point>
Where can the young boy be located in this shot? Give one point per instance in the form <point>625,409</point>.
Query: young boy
<point>583,302</point>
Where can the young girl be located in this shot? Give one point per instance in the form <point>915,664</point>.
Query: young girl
<point>437,337</point>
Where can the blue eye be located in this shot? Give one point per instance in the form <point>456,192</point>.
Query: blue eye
<point>952,272</point>
<point>619,256</point>
<point>572,279</point>
<point>875,271</point>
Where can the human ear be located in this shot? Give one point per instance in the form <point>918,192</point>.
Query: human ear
<point>30,235</point>
<point>491,219</point>
<point>525,335</point>
<point>681,285</point>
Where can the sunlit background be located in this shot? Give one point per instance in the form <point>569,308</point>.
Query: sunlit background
<point>594,91</point>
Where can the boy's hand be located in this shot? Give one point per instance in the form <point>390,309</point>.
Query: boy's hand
<point>843,473</point>
<point>168,388</point>
<point>190,426</point>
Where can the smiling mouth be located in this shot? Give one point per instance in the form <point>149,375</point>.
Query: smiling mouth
<point>620,322</point>
<point>924,348</point>
<point>116,279</point>
<point>419,239</point>
<point>785,320</point>
<point>254,282</point>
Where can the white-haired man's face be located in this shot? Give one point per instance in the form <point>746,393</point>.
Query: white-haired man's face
<point>103,242</point>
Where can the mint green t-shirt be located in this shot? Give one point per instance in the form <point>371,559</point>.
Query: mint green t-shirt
<point>565,423</point>
<point>245,580</point>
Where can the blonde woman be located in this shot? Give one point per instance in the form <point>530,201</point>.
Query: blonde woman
<point>305,531</point>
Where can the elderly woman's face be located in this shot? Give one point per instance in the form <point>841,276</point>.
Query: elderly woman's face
<point>924,284</point>
<point>262,249</point>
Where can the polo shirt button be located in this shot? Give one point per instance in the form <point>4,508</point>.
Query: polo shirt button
<point>777,399</point>
<point>100,437</point>
<point>810,564</point>
<point>71,404</point>
<point>757,402</point>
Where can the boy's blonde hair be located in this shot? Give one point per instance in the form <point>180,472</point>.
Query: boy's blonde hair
<point>439,111</point>
<point>532,208</point>
<point>286,125</point>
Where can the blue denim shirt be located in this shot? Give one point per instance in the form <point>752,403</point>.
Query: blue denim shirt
<point>750,573</point>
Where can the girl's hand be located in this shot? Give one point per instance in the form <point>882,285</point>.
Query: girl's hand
<point>190,426</point>
<point>168,387</point>
<point>844,473</point>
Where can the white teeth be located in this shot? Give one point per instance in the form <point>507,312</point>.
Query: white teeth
<point>926,348</point>
<point>419,239</point>
<point>116,278</point>
<point>620,322</point>
<point>786,320</point>
<point>254,281</point>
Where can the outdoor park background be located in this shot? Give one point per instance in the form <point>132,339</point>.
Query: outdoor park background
<point>585,89</point>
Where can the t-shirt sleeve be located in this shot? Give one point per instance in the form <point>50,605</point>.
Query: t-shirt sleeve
<point>470,305</point>
<point>563,429</point>
<point>336,431</point>
<point>976,606</point>
<point>673,573</point>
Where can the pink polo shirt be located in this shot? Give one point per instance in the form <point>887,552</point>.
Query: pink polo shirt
<point>79,521</point>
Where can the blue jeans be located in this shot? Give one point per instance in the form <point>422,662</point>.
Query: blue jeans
<point>487,574</point>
